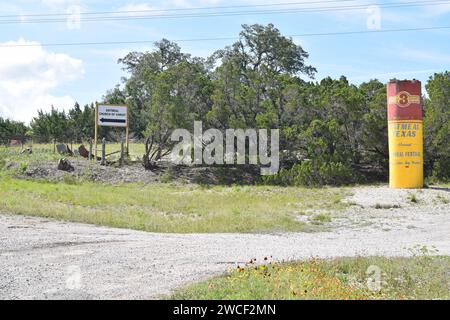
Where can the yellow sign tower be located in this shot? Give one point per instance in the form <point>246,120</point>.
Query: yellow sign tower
<point>405,130</point>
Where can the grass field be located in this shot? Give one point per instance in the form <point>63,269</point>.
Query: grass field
<point>169,207</point>
<point>164,207</point>
<point>160,207</point>
<point>44,151</point>
<point>419,277</point>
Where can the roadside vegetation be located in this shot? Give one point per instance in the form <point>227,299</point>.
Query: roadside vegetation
<point>332,132</point>
<point>167,207</point>
<point>418,277</point>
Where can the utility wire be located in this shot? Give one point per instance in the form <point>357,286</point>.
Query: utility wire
<point>18,45</point>
<point>177,9</point>
<point>237,13</point>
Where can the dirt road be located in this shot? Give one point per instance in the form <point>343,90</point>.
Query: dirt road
<point>48,259</point>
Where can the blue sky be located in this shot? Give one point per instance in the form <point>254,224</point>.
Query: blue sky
<point>37,77</point>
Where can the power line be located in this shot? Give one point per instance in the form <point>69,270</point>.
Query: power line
<point>221,38</point>
<point>234,13</point>
<point>237,13</point>
<point>177,9</point>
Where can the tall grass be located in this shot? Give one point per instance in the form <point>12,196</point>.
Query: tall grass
<point>169,208</point>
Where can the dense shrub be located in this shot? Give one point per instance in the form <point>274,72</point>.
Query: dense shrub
<point>308,173</point>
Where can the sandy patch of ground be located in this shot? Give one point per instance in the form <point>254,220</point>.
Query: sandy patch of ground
<point>374,208</point>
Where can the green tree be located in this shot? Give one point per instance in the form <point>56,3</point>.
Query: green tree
<point>253,78</point>
<point>437,126</point>
<point>12,130</point>
<point>143,68</point>
<point>181,96</point>
<point>51,126</point>
<point>75,122</point>
<point>374,127</point>
<point>166,89</point>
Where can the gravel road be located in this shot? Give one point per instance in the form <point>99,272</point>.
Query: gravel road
<point>48,259</point>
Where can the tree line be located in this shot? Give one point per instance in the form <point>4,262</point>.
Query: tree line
<point>331,131</point>
<point>12,130</point>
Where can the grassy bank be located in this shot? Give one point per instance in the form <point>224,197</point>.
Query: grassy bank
<point>420,277</point>
<point>169,208</point>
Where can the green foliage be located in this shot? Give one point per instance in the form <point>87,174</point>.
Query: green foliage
<point>12,130</point>
<point>374,137</point>
<point>321,218</point>
<point>413,198</point>
<point>2,163</point>
<point>80,124</point>
<point>437,126</point>
<point>167,176</point>
<point>333,173</point>
<point>70,179</point>
<point>50,126</point>
<point>145,85</point>
<point>53,126</point>
<point>331,131</point>
<point>167,89</point>
<point>168,207</point>
<point>254,78</point>
<point>23,166</point>
<point>308,173</point>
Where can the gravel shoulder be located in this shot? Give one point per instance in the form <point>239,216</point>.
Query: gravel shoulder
<point>48,259</point>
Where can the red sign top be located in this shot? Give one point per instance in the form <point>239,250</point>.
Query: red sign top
<point>404,100</point>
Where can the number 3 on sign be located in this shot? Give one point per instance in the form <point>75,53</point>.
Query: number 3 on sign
<point>403,99</point>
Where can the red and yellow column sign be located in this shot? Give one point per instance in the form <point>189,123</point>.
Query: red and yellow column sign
<point>405,134</point>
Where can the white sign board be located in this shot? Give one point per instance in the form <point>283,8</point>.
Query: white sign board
<point>112,116</point>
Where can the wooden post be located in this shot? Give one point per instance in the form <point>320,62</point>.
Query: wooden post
<point>103,152</point>
<point>96,131</point>
<point>90,150</point>
<point>126,133</point>
<point>121,153</point>
<point>126,138</point>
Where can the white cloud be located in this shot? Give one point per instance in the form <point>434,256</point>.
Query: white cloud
<point>29,75</point>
